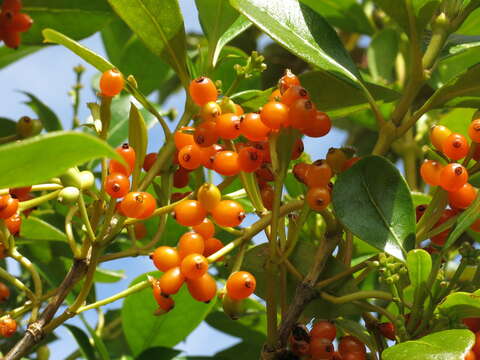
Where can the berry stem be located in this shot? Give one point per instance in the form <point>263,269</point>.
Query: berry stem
<point>324,283</point>
<point>69,231</point>
<point>360,295</point>
<point>432,214</point>
<point>40,187</point>
<point>85,219</point>
<point>25,205</point>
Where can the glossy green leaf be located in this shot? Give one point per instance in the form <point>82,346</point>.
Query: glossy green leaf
<point>85,53</point>
<point>335,94</point>
<point>59,151</point>
<point>345,14</point>
<point>382,54</point>
<point>423,12</point>
<point>35,228</point>
<point>81,338</point>
<point>387,219</point>
<point>8,56</point>
<point>144,330</point>
<point>471,26</point>
<point>220,23</point>
<point>419,265</point>
<point>7,127</point>
<point>109,276</point>
<point>252,100</point>
<point>420,198</point>
<point>163,353</point>
<point>443,345</point>
<point>137,138</point>
<point>457,120</point>
<point>46,115</point>
<point>465,219</point>
<point>159,24</point>
<point>79,19</point>
<point>303,32</point>
<point>459,305</point>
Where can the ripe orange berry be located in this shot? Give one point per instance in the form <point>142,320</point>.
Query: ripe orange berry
<point>208,153</point>
<point>455,146</point>
<point>350,344</point>
<point>210,111</point>
<point>21,192</point>
<point>149,161</point>
<point>180,177</point>
<point>438,135</point>
<point>20,22</point>
<point>293,94</point>
<point>209,196</point>
<point>470,356</point>
<point>318,198</point>
<point>238,110</point>
<point>4,292</point>
<point>8,327</point>
<point>303,113</point>
<point>202,90</point>
<point>252,127</point>
<point>430,172</point>
<point>463,197</point>
<point>324,329</point>
<point>8,206</point>
<point>140,230</point>
<point>184,137</point>
<point>387,329</point>
<point>190,243</point>
<point>318,174</point>
<point>298,149</point>
<point>354,356</point>
<point>12,5</point>
<point>165,303</point>
<point>165,257</point>
<point>228,213</point>
<point>250,159</point>
<point>194,266</point>
<point>267,195</point>
<point>274,115</point>
<point>275,95</point>
<point>336,159</point>
<point>189,213</point>
<point>190,157</point>
<point>350,162</point>
<point>212,245</point>
<point>474,130</point>
<point>203,289</point>
<point>453,176</point>
<point>318,126</point>
<point>13,223</point>
<point>228,126</point>
<point>226,163</point>
<point>240,285</point>
<point>206,228</point>
<point>288,80</point>
<point>138,205</point>
<point>300,171</point>
<point>128,154</point>
<point>321,348</point>
<point>117,185</point>
<point>264,173</point>
<point>111,83</point>
<point>206,134</point>
<point>171,281</point>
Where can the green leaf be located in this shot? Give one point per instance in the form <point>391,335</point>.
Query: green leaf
<point>144,330</point>
<point>471,25</point>
<point>443,345</point>
<point>85,53</point>
<point>220,23</point>
<point>345,14</point>
<point>7,127</point>
<point>252,100</point>
<point>77,19</point>
<point>48,118</point>
<point>420,198</point>
<point>158,353</point>
<point>37,229</point>
<point>85,347</point>
<point>465,219</point>
<point>243,350</point>
<point>381,55</point>
<point>459,305</point>
<point>8,56</point>
<point>335,94</point>
<point>97,341</point>
<point>42,157</point>
<point>387,219</point>
<point>303,32</point>
<point>109,276</point>
<point>137,138</point>
<point>419,265</point>
<point>159,24</point>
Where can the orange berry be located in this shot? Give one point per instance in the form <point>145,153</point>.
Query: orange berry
<point>267,195</point>
<point>324,329</point>
<point>350,344</point>
<point>455,146</point>
<point>293,94</point>
<point>189,213</point>
<point>140,230</point>
<point>206,228</point>
<point>274,115</point>
<point>190,243</point>
<point>21,192</point>
<point>438,135</point>
<point>12,5</point>
<point>128,154</point>
<point>228,126</point>
<point>228,213</point>
<point>171,281</point>
<point>8,327</point>
<point>180,177</point>
<point>4,292</point>
<point>430,172</point>
<point>318,198</point>
<point>252,127</point>
<point>453,176</point>
<point>165,303</point>
<point>470,356</point>
<point>318,174</point>
<point>300,172</point>
<point>387,329</point>
<point>474,130</point>
<point>13,223</point>
<point>350,162</point>
<point>210,111</point>
<point>240,285</point>
<point>250,159</point>
<point>206,134</point>
<point>318,126</point>
<point>202,90</point>
<point>440,239</point>
<point>194,266</point>
<point>298,149</point>
<point>336,159</point>
<point>463,197</point>
<point>238,110</point>
<point>138,205</point>
<point>8,206</point>
<point>203,289</point>
<point>288,80</point>
<point>209,196</point>
<point>226,163</point>
<point>190,157</point>
<point>303,114</point>
<point>264,173</point>
<point>275,95</point>
<point>111,82</point>
<point>212,245</point>
<point>184,137</point>
<point>117,185</point>
<point>321,348</point>
<point>149,161</point>
<point>165,257</point>
<point>473,323</point>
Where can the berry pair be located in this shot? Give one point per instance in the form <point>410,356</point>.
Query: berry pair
<point>317,178</point>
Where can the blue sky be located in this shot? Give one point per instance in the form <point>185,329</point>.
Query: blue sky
<point>48,74</point>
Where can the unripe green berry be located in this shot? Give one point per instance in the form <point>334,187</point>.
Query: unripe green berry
<point>71,178</point>
<point>68,195</point>
<point>28,127</point>
<point>87,179</point>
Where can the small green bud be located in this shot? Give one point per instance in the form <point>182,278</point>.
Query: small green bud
<point>68,195</point>
<point>71,178</point>
<point>87,179</point>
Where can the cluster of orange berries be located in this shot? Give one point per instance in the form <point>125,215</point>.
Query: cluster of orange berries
<point>9,205</point>
<point>8,326</point>
<point>317,344</point>
<point>452,177</point>
<point>13,23</point>
<point>318,174</point>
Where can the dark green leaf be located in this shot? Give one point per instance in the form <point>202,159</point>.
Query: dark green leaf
<point>158,353</point>
<point>7,127</point>
<point>382,54</point>
<point>443,345</point>
<point>77,19</point>
<point>459,305</point>
<point>37,229</point>
<point>59,151</point>
<point>159,24</point>
<point>48,118</point>
<point>144,330</point>
<point>86,348</point>
<point>387,219</point>
<point>419,265</point>
<point>345,14</point>
<point>8,56</point>
<point>115,38</point>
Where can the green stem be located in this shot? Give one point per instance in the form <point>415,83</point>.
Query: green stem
<point>432,214</point>
<point>361,295</point>
<point>8,139</point>
<point>25,205</point>
<point>295,230</point>
<point>410,160</point>
<point>352,270</point>
<point>69,231</point>
<point>84,216</point>
<point>234,86</point>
